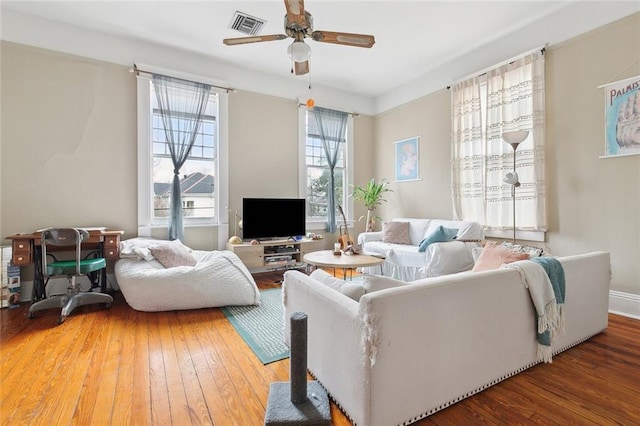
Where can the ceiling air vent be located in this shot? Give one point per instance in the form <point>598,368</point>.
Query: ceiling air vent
<point>247,24</point>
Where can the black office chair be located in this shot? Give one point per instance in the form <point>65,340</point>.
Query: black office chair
<point>72,269</point>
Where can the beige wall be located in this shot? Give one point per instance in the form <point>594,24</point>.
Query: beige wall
<point>263,147</point>
<point>594,204</point>
<point>428,118</point>
<point>68,142</point>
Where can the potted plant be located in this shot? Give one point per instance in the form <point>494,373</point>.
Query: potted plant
<point>372,196</point>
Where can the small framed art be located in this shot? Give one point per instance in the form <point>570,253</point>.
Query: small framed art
<point>407,159</point>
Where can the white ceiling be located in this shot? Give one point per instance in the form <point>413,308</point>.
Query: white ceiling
<point>413,38</point>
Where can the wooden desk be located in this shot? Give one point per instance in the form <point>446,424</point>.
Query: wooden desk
<point>27,250</point>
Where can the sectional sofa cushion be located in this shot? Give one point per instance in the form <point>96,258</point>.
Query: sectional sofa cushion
<point>373,283</point>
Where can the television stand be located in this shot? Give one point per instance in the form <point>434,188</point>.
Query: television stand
<point>275,254</point>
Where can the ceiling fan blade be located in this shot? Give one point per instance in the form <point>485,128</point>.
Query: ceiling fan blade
<point>349,39</point>
<point>295,12</point>
<point>253,39</point>
<point>301,67</point>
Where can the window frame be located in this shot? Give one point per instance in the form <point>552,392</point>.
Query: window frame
<point>146,220</point>
<point>315,225</point>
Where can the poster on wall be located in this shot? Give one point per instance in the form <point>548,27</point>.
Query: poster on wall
<point>622,117</point>
<point>407,158</point>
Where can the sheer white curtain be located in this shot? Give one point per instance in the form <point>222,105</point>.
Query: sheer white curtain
<point>514,100</point>
<point>468,151</point>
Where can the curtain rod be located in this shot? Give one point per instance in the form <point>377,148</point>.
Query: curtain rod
<point>137,70</point>
<point>508,61</point>
<point>353,114</point>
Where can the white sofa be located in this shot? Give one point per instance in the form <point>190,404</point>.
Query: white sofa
<point>406,262</point>
<point>400,354</point>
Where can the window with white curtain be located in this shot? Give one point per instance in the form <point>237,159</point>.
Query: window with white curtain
<point>314,171</point>
<point>509,97</point>
<point>203,177</point>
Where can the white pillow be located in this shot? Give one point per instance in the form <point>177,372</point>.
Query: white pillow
<point>349,289</point>
<point>137,248</point>
<point>448,258</point>
<point>173,254</point>
<point>373,283</point>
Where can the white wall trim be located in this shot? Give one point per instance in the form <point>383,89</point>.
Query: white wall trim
<point>626,304</point>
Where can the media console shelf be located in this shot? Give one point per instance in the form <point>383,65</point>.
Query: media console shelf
<point>275,254</point>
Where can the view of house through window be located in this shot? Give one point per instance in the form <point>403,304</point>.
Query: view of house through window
<point>317,172</point>
<point>197,175</point>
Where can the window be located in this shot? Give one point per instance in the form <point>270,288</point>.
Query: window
<point>204,175</point>
<point>314,171</point>
<point>197,175</point>
<point>509,97</point>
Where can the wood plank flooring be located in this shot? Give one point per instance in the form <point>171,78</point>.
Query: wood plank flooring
<point>123,367</point>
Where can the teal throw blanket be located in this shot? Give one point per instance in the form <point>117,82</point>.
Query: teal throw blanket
<point>555,272</point>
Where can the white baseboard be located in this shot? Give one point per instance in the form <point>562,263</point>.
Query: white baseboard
<point>625,304</point>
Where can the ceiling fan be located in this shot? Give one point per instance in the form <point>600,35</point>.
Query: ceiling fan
<point>298,24</point>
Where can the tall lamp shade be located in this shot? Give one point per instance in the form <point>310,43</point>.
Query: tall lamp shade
<point>514,139</point>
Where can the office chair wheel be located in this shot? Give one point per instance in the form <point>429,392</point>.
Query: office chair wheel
<point>32,315</point>
<point>108,305</point>
<point>61,319</point>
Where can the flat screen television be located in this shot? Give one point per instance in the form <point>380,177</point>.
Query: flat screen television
<point>269,218</point>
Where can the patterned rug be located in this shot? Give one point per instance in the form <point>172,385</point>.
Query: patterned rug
<point>262,326</point>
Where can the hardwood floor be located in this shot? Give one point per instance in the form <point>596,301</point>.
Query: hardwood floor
<point>122,367</point>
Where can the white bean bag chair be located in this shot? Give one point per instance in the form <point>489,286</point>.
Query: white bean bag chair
<point>218,278</point>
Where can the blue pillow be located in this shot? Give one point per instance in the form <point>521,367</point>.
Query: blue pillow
<point>441,234</point>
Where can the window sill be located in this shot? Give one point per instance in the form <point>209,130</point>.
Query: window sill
<point>507,234</point>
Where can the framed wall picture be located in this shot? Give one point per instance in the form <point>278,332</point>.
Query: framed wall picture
<point>622,117</point>
<point>407,159</point>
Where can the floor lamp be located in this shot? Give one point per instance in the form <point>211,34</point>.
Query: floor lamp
<point>514,139</point>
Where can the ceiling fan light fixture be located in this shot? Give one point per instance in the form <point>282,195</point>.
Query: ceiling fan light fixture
<point>299,51</point>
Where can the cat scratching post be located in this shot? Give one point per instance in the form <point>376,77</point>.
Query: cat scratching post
<point>297,402</point>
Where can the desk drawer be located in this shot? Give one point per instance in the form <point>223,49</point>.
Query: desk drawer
<point>21,252</point>
<point>112,247</point>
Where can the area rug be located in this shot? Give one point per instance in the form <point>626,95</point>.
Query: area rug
<point>262,326</point>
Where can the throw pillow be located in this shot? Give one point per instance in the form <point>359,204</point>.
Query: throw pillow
<point>440,235</point>
<point>373,283</point>
<point>173,254</point>
<point>396,233</point>
<point>493,256</point>
<point>351,290</point>
<point>530,250</point>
